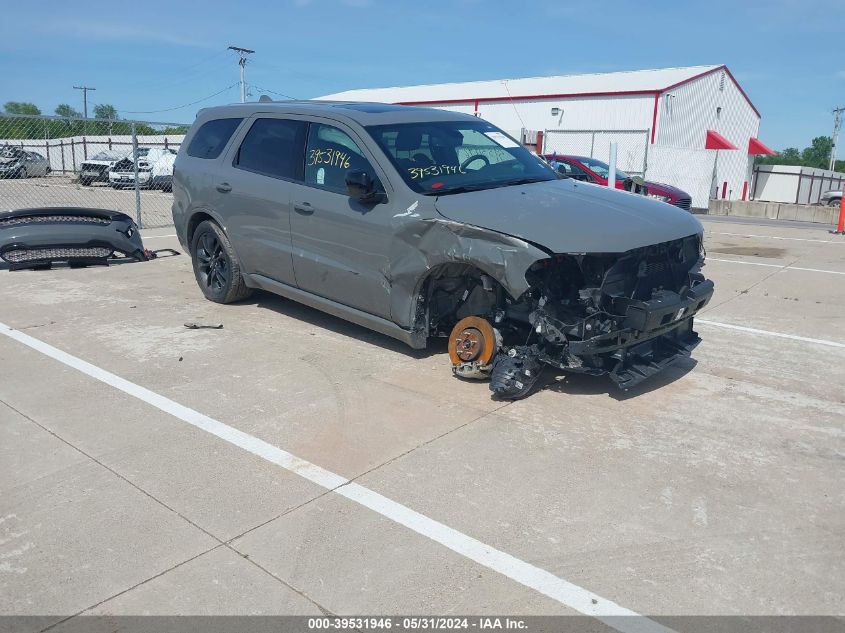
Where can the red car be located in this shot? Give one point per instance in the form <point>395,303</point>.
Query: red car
<point>595,171</point>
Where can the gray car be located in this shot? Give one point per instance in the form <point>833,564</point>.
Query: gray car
<point>18,163</point>
<point>831,198</point>
<point>422,223</point>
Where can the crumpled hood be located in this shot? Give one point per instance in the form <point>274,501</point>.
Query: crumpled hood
<point>8,161</point>
<point>567,216</point>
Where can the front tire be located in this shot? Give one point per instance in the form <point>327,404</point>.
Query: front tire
<point>834,202</point>
<point>22,173</point>
<point>217,268</point>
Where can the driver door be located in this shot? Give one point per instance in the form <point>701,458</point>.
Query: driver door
<point>340,245</point>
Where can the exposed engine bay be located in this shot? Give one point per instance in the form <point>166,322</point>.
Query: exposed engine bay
<point>626,315</point>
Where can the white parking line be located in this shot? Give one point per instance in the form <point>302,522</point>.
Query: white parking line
<point>787,267</point>
<point>775,237</point>
<point>751,330</point>
<point>544,582</point>
<point>155,237</point>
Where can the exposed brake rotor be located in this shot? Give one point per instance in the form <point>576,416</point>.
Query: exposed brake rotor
<point>472,345</point>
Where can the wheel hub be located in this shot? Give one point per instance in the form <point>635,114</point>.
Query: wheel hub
<point>472,345</point>
<point>469,344</point>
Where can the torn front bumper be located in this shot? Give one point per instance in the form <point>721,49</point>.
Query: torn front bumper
<point>33,238</point>
<point>654,334</point>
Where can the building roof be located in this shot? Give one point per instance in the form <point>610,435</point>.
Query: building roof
<point>627,82</point>
<point>559,86</point>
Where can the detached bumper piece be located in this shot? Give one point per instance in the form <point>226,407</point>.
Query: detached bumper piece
<point>637,363</point>
<point>36,238</point>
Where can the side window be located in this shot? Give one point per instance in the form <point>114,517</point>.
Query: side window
<point>573,171</point>
<point>329,155</point>
<point>212,137</point>
<point>273,147</point>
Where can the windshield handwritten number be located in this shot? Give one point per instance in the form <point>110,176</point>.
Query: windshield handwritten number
<point>434,170</point>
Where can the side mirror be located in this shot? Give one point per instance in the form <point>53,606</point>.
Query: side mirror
<point>360,186</point>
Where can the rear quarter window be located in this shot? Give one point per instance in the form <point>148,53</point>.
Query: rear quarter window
<point>212,137</point>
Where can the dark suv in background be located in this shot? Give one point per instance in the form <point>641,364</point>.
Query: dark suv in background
<point>422,223</point>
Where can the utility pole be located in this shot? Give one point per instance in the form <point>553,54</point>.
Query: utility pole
<point>84,90</point>
<point>242,53</point>
<point>837,123</point>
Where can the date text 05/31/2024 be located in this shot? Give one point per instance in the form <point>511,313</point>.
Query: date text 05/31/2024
<point>416,623</point>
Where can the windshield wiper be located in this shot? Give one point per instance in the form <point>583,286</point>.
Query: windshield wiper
<point>461,189</point>
<point>523,181</point>
<point>487,185</point>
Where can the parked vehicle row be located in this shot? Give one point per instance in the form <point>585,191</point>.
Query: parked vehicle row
<point>18,163</point>
<point>154,167</point>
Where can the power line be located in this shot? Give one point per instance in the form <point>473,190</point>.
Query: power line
<point>273,92</point>
<point>513,103</point>
<point>242,53</point>
<point>229,87</point>
<point>160,82</point>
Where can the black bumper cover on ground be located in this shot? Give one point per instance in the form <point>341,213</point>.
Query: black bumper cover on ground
<point>35,238</point>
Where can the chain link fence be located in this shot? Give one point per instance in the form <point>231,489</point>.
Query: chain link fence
<point>119,165</point>
<point>631,146</point>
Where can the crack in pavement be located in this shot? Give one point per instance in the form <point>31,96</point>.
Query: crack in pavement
<point>219,542</point>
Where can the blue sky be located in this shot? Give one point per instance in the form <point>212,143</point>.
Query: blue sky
<point>149,57</point>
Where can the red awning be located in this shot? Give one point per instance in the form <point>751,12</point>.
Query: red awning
<point>714,140</point>
<point>755,146</point>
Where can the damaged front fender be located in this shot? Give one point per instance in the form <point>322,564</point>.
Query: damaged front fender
<point>35,238</point>
<point>421,246</point>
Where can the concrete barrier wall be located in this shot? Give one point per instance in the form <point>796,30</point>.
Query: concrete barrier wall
<point>775,211</point>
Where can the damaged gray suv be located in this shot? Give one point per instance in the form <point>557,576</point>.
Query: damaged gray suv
<point>422,223</point>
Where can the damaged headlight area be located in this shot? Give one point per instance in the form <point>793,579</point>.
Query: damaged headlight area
<point>36,238</point>
<point>626,315</point>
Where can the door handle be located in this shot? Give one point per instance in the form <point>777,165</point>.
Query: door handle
<point>303,208</point>
<point>224,187</point>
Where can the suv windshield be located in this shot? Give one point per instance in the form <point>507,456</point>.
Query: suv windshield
<point>602,169</point>
<point>443,157</point>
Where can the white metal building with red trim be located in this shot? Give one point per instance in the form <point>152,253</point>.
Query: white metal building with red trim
<point>694,127</point>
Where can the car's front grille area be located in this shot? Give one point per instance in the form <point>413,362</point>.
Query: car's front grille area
<point>22,256</point>
<point>41,219</point>
<point>656,267</point>
<point>684,203</point>
<point>93,167</point>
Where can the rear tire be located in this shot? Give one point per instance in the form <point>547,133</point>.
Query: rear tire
<point>835,202</point>
<point>217,268</point>
<point>22,173</point>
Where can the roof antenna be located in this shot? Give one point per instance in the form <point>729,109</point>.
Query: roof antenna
<point>264,99</point>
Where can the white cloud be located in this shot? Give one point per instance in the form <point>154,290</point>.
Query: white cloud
<point>117,31</point>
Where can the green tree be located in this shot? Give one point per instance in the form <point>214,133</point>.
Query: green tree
<point>105,111</point>
<point>818,154</point>
<point>66,111</point>
<point>20,107</point>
